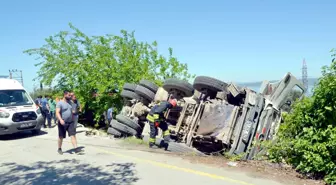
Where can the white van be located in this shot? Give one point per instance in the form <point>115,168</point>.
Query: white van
<point>18,111</point>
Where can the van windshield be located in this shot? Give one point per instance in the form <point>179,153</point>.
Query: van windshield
<point>14,98</point>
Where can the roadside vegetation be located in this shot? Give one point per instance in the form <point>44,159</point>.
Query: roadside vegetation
<point>307,139</point>
<point>102,64</point>
<point>91,65</point>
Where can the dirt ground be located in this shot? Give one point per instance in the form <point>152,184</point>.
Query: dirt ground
<point>280,173</point>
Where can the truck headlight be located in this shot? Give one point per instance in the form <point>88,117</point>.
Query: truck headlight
<point>4,114</point>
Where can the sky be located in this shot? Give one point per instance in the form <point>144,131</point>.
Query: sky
<point>240,41</point>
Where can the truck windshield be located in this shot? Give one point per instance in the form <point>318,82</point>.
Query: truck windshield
<point>14,98</point>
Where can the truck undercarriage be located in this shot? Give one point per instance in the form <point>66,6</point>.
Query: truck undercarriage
<point>211,116</point>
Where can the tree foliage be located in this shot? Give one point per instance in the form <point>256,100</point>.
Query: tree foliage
<point>38,92</point>
<point>307,139</point>
<point>74,60</point>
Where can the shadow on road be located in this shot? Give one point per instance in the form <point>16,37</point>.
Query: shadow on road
<point>21,135</point>
<point>80,150</point>
<point>67,172</point>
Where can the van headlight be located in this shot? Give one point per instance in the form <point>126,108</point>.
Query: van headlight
<point>4,114</point>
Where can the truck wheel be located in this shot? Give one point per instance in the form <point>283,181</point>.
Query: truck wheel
<point>149,85</point>
<point>182,148</point>
<point>129,94</point>
<point>113,131</point>
<point>123,128</point>
<point>180,85</point>
<point>204,82</point>
<point>176,147</point>
<point>129,86</point>
<point>144,92</point>
<point>129,122</point>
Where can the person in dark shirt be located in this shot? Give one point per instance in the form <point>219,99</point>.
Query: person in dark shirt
<point>76,108</point>
<point>45,110</point>
<point>156,119</point>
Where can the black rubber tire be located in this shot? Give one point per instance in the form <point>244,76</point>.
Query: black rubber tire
<point>182,148</point>
<point>177,147</point>
<point>180,85</point>
<point>129,94</point>
<point>123,128</point>
<point>212,84</point>
<point>149,85</point>
<point>113,131</point>
<point>145,93</point>
<point>129,86</point>
<point>129,122</point>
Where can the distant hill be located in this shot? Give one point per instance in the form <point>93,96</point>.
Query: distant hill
<point>311,82</point>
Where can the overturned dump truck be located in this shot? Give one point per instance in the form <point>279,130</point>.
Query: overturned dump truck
<point>213,116</point>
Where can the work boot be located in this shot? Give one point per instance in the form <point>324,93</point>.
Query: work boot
<point>151,145</point>
<point>164,145</point>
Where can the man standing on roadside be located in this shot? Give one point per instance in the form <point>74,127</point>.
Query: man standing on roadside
<point>65,121</point>
<point>109,115</point>
<point>38,101</point>
<point>45,110</point>
<point>52,106</point>
<point>76,108</point>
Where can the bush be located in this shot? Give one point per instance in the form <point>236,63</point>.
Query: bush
<point>307,139</point>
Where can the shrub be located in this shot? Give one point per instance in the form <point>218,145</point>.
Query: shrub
<point>307,139</point>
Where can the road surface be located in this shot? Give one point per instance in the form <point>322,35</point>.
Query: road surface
<point>30,160</point>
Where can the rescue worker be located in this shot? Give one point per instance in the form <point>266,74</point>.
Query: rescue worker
<point>156,119</point>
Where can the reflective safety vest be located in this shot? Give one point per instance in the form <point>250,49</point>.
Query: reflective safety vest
<point>153,118</point>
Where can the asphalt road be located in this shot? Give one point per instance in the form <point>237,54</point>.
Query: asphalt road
<point>27,160</point>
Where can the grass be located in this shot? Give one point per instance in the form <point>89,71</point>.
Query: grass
<point>134,140</point>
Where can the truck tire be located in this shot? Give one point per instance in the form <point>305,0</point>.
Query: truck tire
<point>149,85</point>
<point>129,122</point>
<point>123,128</point>
<point>180,85</point>
<point>145,93</point>
<point>177,147</point>
<point>129,86</point>
<point>212,84</point>
<point>129,94</point>
<point>182,148</point>
<point>113,131</point>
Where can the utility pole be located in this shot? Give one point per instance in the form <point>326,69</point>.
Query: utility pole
<point>305,75</point>
<point>17,75</point>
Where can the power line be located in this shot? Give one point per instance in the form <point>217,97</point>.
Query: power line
<point>17,75</point>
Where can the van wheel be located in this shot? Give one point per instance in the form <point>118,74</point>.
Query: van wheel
<point>36,132</point>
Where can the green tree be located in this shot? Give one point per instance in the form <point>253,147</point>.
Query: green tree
<point>307,139</point>
<point>74,60</point>
<point>38,92</point>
